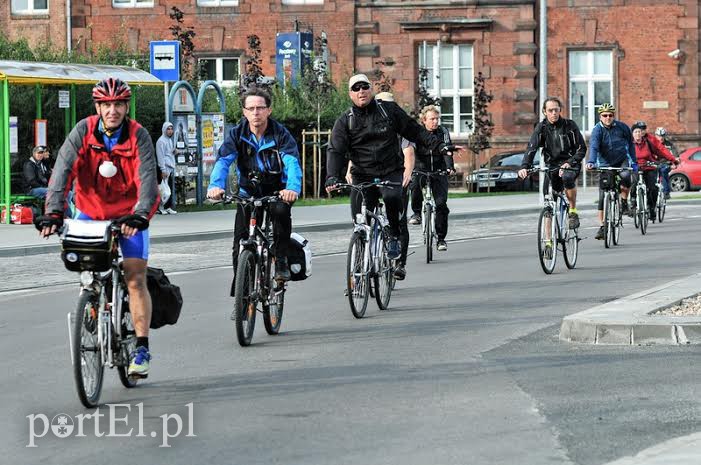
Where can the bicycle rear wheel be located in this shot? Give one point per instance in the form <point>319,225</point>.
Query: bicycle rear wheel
<point>546,225</point>
<point>428,232</point>
<point>245,301</point>
<point>272,309</point>
<point>357,278</point>
<point>383,280</point>
<point>88,370</point>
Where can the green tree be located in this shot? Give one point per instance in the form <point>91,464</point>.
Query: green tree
<point>482,126</point>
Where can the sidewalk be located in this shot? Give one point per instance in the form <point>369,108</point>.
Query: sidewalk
<point>20,240</point>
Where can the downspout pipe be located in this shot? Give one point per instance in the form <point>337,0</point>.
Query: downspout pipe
<point>69,37</point>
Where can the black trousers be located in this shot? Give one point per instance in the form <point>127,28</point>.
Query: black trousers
<point>395,202</point>
<point>439,189</point>
<point>281,217</point>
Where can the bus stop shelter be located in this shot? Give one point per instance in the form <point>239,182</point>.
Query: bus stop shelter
<point>57,74</point>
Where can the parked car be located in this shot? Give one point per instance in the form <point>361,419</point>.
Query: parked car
<point>503,174</point>
<point>687,175</point>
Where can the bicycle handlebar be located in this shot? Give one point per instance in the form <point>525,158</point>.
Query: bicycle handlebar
<point>432,174</point>
<point>360,187</point>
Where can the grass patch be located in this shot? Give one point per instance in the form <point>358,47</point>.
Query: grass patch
<point>344,200</point>
<point>689,196</point>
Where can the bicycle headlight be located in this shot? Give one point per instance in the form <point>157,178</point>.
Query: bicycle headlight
<point>86,278</point>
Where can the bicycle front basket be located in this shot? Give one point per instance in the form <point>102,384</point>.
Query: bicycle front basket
<point>87,245</point>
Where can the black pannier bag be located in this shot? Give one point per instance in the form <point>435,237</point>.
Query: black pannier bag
<point>299,258</point>
<point>606,179</point>
<point>166,300</point>
<point>87,245</point>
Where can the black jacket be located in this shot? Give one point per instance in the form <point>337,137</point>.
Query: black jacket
<point>561,142</point>
<point>370,135</point>
<point>432,160</point>
<point>35,175</point>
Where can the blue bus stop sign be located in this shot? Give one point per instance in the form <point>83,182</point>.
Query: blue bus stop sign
<point>165,60</point>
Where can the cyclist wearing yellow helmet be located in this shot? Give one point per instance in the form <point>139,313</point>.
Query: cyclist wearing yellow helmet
<point>611,144</point>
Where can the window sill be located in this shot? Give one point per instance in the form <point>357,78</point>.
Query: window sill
<point>28,16</point>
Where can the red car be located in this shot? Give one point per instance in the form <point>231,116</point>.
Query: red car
<point>687,175</point>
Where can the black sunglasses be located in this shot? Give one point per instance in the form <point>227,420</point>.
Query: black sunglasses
<point>360,86</point>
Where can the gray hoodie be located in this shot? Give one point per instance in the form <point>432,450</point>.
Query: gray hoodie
<point>165,151</point>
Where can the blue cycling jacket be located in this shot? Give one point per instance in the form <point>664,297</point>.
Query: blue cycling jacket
<point>611,146</point>
<point>272,160</point>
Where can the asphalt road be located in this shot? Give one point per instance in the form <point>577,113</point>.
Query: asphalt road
<point>465,367</point>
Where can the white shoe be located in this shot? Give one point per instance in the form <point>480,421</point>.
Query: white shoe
<point>170,211</point>
<point>161,211</point>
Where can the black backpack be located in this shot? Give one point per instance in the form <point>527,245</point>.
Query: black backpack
<point>166,300</point>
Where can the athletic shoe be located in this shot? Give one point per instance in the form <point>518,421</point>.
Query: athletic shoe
<point>600,233</point>
<point>441,245</point>
<point>139,366</point>
<point>415,219</point>
<point>573,220</point>
<point>400,273</point>
<point>170,211</point>
<point>394,249</point>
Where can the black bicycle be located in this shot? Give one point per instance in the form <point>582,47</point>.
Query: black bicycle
<point>255,281</point>
<point>428,211</point>
<point>610,183</point>
<point>101,330</point>
<point>367,260</point>
<point>554,232</point>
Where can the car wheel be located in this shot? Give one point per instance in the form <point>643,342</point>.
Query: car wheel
<point>678,183</point>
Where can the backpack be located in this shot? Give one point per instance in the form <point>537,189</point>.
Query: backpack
<point>166,300</point>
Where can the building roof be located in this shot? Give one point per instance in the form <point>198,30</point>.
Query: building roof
<point>25,72</point>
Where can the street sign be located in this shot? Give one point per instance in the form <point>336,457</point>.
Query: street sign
<point>165,60</point>
<point>64,99</point>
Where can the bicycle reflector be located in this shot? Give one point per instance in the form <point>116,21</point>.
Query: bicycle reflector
<point>360,218</point>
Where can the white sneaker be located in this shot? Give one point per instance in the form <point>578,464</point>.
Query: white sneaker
<point>161,211</point>
<point>170,211</point>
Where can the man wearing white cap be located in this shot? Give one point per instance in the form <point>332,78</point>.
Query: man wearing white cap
<point>368,134</point>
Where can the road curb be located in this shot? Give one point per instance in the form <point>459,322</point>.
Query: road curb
<point>628,321</point>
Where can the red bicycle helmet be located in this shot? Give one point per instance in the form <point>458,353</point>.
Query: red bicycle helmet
<point>111,90</point>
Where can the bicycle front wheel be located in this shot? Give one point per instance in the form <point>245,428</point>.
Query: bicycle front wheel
<point>570,248</point>
<point>88,370</point>
<point>617,221</point>
<point>428,232</point>
<point>383,280</point>
<point>272,308</point>
<point>127,347</point>
<point>547,250</point>
<point>357,277</point>
<point>661,206</point>
<point>245,301</point>
<point>644,215</point>
<point>608,220</point>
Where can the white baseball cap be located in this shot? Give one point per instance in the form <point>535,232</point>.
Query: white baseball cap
<point>356,79</point>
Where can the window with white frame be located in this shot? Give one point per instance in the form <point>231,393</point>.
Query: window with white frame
<point>302,2</point>
<point>591,85</point>
<point>225,70</point>
<point>132,3</point>
<point>30,7</point>
<point>450,77</point>
<point>217,2</point>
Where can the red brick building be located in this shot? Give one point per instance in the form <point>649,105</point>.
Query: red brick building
<point>38,21</point>
<point>641,55</point>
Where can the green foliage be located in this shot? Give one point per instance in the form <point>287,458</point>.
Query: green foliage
<point>483,125</point>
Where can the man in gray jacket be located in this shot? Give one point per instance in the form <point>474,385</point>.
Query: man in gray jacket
<point>165,152</point>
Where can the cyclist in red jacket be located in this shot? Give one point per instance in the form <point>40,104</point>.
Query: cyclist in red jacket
<point>112,161</point>
<point>648,149</point>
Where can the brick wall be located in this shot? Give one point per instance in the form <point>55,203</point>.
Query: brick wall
<point>641,33</point>
<point>37,29</point>
<point>222,29</point>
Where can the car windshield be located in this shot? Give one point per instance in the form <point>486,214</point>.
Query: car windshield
<point>511,160</point>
